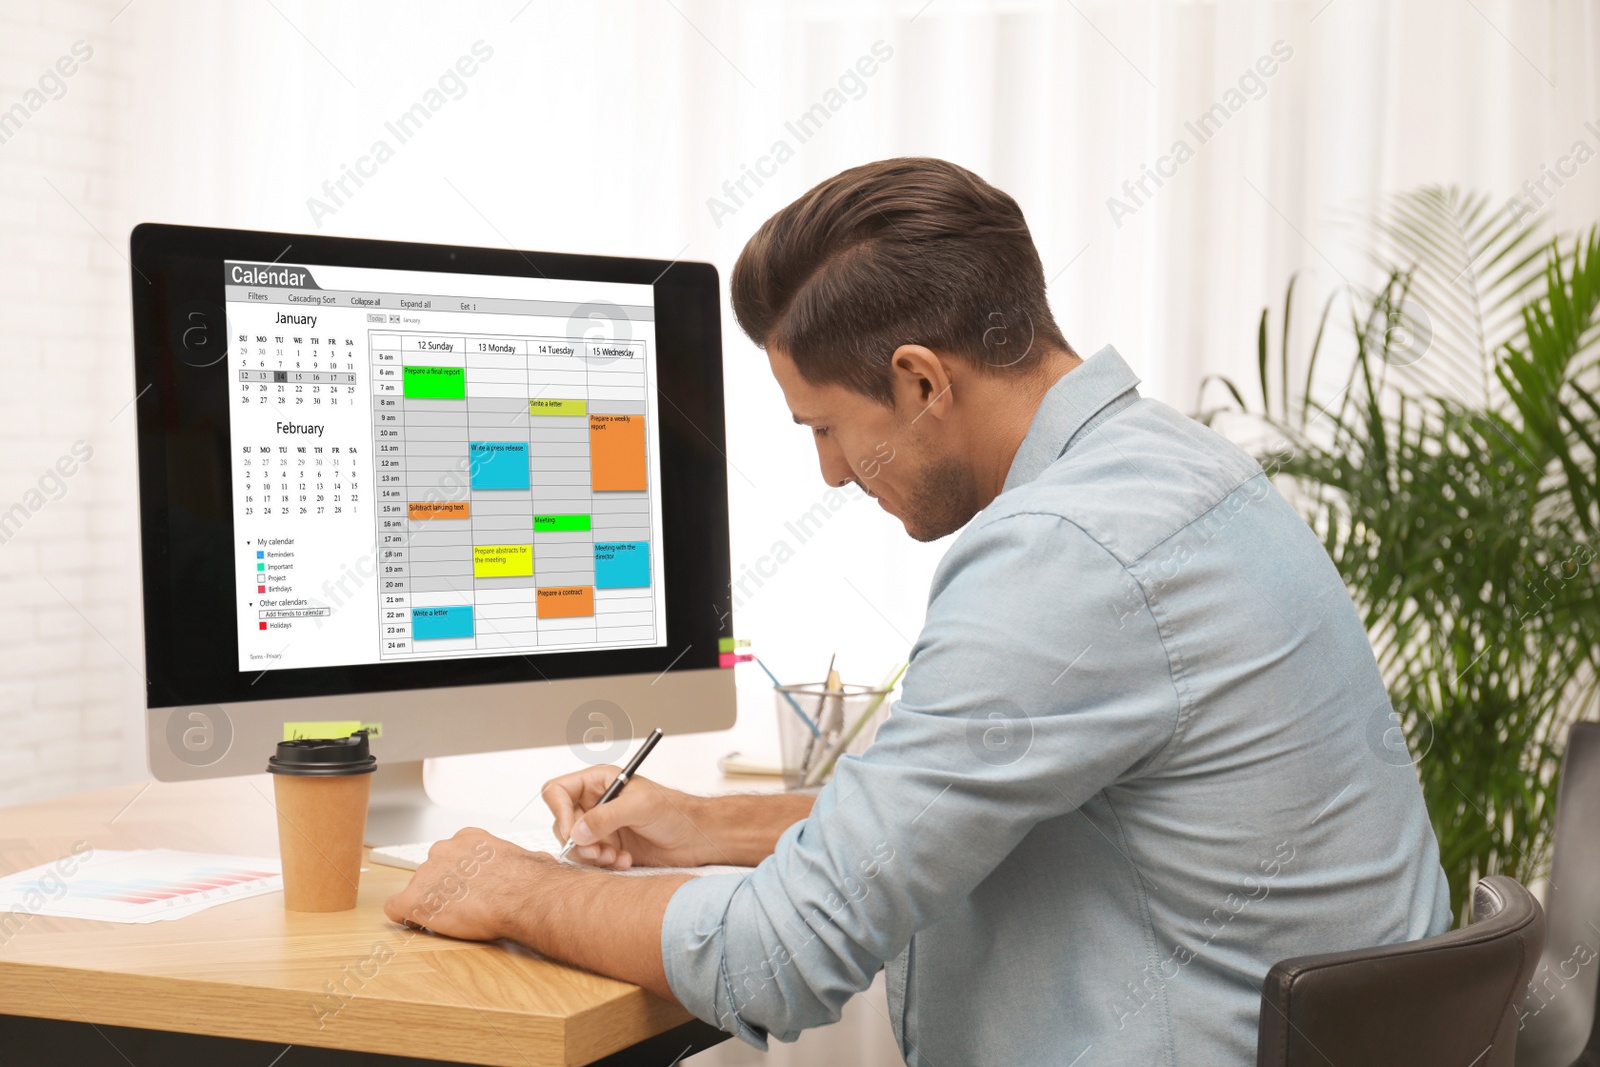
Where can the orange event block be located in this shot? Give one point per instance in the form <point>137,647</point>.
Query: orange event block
<point>566,601</point>
<point>616,452</point>
<point>456,509</point>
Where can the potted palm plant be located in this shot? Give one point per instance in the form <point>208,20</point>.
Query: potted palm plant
<point>1448,462</point>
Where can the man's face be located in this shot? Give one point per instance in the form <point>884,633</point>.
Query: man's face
<point>909,460</point>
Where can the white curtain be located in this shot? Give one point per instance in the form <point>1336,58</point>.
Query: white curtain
<point>626,128</point>
<point>1177,161</point>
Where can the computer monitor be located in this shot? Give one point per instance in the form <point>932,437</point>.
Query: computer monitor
<point>473,499</point>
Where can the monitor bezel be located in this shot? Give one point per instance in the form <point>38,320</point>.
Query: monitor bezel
<point>191,639</point>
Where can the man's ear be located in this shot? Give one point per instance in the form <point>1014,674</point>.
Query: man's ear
<point>922,382</point>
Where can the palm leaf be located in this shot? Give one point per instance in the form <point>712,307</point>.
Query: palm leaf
<point>1457,495</point>
<point>1471,268</point>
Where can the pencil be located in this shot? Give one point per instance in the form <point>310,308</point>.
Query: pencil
<point>797,709</point>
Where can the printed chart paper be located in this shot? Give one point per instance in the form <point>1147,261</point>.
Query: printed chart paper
<point>138,886</point>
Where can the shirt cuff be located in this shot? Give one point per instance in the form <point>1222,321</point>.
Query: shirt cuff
<point>694,958</point>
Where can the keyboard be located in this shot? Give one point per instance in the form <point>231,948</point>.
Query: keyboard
<point>411,856</point>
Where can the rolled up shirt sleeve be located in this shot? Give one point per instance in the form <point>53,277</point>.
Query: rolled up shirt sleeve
<point>1031,689</point>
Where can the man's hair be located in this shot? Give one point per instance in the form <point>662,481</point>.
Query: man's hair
<point>902,251</point>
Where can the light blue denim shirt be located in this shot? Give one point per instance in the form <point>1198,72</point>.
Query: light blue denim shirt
<point>1144,752</point>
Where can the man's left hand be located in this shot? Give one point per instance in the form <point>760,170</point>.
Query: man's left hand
<point>469,886</point>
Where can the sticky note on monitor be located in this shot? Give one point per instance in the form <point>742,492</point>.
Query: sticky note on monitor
<point>301,731</point>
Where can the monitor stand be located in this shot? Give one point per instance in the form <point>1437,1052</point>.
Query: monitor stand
<point>401,813</point>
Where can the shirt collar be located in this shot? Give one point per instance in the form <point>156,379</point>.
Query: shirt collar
<point>1076,398</point>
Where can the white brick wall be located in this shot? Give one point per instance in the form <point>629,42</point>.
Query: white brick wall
<point>70,700</point>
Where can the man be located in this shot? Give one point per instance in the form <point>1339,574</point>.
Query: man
<point>1138,756</point>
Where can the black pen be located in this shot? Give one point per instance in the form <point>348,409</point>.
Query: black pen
<point>622,779</point>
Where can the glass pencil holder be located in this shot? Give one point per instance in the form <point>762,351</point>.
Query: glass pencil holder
<point>816,726</point>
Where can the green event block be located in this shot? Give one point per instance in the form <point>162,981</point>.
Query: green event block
<point>560,523</point>
<point>436,383</point>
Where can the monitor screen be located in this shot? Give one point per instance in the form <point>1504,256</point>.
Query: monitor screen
<point>380,467</point>
<point>437,465</point>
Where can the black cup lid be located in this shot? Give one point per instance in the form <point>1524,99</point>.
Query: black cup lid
<point>324,756</point>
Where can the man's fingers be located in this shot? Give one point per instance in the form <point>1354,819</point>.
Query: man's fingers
<point>560,804</point>
<point>605,856</point>
<point>392,907</point>
<point>630,809</point>
<point>565,797</point>
<point>572,793</point>
<point>595,855</point>
<point>400,905</point>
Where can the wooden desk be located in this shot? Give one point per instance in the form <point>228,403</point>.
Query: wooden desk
<point>249,971</point>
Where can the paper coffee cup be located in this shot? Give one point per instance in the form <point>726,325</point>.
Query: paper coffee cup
<point>322,787</point>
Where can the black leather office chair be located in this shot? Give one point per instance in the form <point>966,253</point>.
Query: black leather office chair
<point>1558,1023</point>
<point>1446,1001</point>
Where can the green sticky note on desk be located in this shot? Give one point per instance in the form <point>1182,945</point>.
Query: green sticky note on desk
<point>300,731</point>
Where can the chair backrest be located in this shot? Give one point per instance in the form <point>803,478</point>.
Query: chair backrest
<point>1558,1016</point>
<point>1449,1000</point>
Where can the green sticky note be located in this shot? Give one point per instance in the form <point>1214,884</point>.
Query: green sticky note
<point>560,523</point>
<point>435,383</point>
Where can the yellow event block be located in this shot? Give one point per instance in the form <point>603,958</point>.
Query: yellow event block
<point>295,731</point>
<point>502,561</point>
<point>540,405</point>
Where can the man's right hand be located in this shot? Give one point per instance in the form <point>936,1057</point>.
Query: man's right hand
<point>646,824</point>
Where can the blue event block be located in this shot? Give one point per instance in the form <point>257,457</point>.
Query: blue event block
<point>621,564</point>
<point>498,464</point>
<point>433,624</point>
